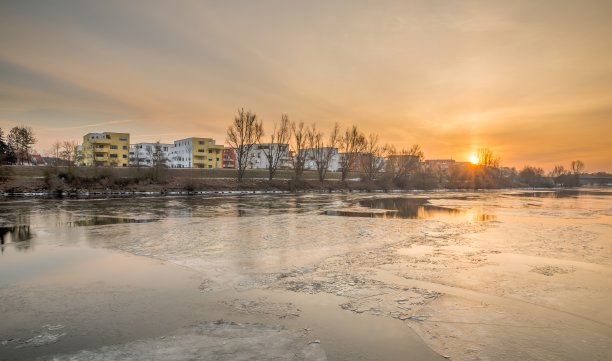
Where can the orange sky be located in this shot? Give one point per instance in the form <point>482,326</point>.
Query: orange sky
<point>532,80</point>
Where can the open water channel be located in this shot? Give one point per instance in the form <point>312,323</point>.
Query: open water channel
<point>500,275</point>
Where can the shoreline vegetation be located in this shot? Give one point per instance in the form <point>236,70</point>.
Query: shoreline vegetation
<point>88,181</point>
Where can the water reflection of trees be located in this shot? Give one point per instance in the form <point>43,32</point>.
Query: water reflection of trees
<point>18,234</point>
<point>407,208</point>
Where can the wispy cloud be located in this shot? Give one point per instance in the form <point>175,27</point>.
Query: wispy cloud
<point>94,125</point>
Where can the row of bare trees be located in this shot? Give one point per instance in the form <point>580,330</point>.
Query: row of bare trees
<point>309,144</point>
<point>63,152</point>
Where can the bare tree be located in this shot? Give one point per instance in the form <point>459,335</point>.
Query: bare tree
<point>372,161</point>
<point>558,171</point>
<point>21,139</point>
<point>352,143</point>
<point>487,158</point>
<point>281,135</point>
<point>403,163</point>
<point>320,152</point>
<point>577,166</point>
<point>242,135</point>
<point>55,153</point>
<point>300,153</point>
<point>158,159</point>
<point>324,157</point>
<point>68,152</point>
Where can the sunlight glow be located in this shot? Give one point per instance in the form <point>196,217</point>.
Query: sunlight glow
<point>473,159</point>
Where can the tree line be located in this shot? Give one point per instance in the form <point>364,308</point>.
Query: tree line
<point>308,143</point>
<point>559,176</point>
<point>384,165</point>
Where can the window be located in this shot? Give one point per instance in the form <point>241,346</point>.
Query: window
<point>113,147</point>
<point>125,147</point>
<point>113,155</point>
<point>122,139</point>
<point>201,142</point>
<point>210,151</point>
<point>217,159</point>
<point>124,156</point>
<point>200,150</point>
<point>209,166</point>
<point>108,136</point>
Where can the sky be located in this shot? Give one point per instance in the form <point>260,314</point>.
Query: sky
<point>530,80</point>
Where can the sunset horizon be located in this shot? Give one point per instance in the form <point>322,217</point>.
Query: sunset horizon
<point>224,180</point>
<point>531,82</point>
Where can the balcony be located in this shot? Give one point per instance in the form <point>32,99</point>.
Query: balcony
<point>100,141</point>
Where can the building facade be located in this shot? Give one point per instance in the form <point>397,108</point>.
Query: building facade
<point>196,153</point>
<point>312,154</point>
<point>106,149</point>
<point>439,164</point>
<point>144,154</point>
<point>229,158</point>
<point>257,158</point>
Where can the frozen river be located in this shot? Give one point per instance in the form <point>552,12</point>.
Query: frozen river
<point>500,275</point>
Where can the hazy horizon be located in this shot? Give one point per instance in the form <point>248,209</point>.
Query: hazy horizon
<point>532,81</point>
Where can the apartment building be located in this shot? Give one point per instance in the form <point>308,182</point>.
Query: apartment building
<point>229,158</point>
<point>196,153</point>
<point>312,154</point>
<point>439,164</point>
<point>257,159</point>
<point>106,149</point>
<point>147,154</point>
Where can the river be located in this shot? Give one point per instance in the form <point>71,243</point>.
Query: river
<point>498,275</point>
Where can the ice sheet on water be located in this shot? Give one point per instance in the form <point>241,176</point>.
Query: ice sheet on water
<point>212,341</point>
<point>47,335</point>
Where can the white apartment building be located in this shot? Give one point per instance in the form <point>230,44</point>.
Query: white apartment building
<point>141,154</point>
<point>334,161</point>
<point>257,158</point>
<point>196,153</point>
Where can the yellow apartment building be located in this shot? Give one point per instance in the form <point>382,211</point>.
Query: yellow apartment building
<point>207,154</point>
<point>106,149</point>
<point>196,153</point>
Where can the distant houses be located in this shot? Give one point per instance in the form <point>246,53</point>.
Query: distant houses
<point>110,149</point>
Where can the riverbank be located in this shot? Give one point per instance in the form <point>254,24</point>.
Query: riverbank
<point>81,181</point>
<point>28,186</point>
<point>87,181</point>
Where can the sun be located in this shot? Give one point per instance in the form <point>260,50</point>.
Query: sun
<point>474,159</point>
